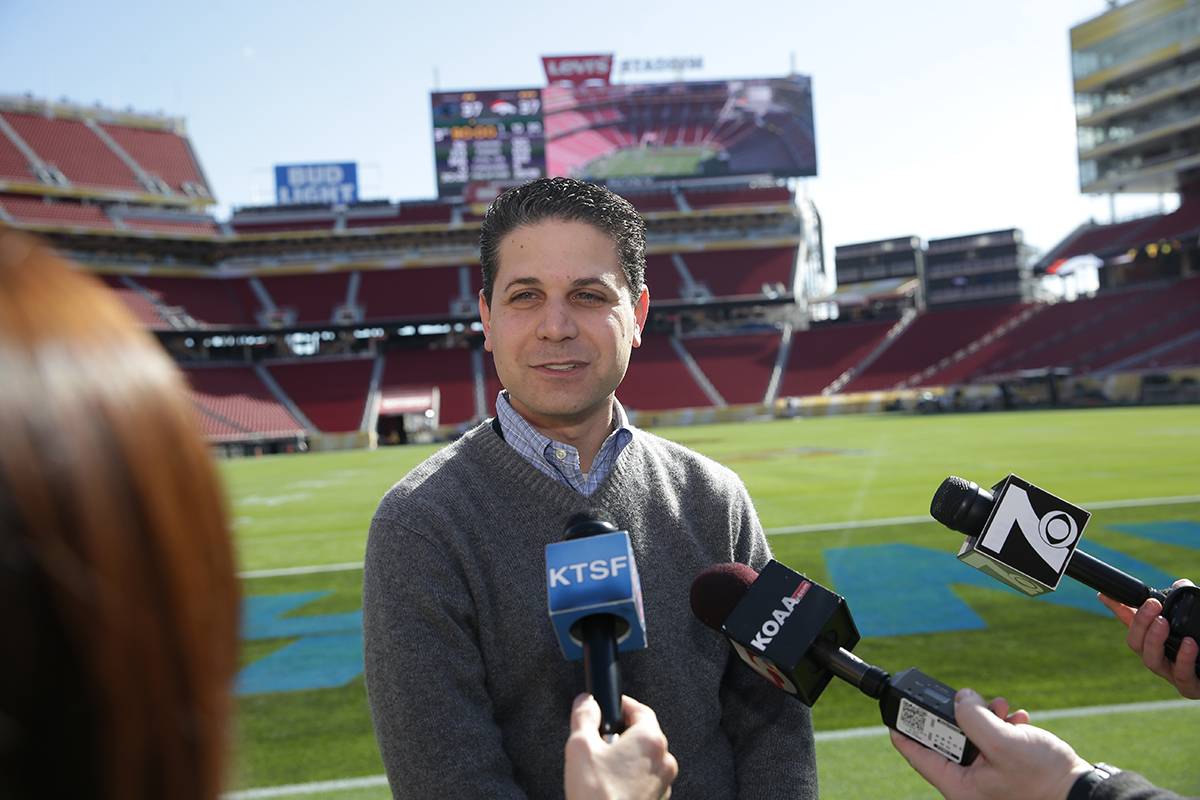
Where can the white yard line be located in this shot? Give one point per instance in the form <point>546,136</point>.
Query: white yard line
<point>324,787</point>
<point>828,526</point>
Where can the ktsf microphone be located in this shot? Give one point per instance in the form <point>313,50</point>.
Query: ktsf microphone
<point>1027,538</point>
<point>798,634</point>
<point>595,603</point>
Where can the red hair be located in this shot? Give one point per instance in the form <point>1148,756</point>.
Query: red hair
<point>115,559</point>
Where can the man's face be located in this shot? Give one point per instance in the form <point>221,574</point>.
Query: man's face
<point>561,323</point>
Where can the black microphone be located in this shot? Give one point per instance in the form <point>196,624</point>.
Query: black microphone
<point>1027,538</point>
<point>798,634</point>
<point>595,603</point>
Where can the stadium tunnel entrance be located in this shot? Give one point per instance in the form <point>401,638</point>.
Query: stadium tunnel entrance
<point>408,416</point>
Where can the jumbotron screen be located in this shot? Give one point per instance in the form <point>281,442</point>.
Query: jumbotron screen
<point>676,130</point>
<point>487,137</point>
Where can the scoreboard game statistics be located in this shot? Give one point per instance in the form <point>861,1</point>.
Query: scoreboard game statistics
<point>487,137</point>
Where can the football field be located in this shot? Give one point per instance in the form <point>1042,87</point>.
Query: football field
<point>650,161</point>
<point>845,500</point>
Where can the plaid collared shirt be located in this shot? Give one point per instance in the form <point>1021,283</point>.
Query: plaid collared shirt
<point>558,460</point>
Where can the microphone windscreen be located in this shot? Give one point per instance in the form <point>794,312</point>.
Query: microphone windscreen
<point>588,522</point>
<point>717,590</point>
<point>949,497</point>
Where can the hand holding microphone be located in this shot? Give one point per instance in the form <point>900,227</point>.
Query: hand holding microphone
<point>1019,761</point>
<point>1148,634</point>
<point>638,766</point>
<point>595,603</point>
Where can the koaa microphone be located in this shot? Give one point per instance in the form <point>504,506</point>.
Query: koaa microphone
<point>798,634</point>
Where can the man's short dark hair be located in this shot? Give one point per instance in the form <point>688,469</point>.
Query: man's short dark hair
<point>565,200</point>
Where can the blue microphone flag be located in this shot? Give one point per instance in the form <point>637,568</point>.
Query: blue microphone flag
<point>594,575</point>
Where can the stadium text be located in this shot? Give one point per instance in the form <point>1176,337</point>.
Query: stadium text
<point>660,64</point>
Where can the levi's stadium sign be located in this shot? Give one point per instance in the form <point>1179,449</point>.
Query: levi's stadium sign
<point>577,69</point>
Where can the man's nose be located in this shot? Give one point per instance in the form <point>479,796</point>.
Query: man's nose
<point>558,320</point>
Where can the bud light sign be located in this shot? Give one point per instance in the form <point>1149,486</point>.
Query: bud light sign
<point>327,184</point>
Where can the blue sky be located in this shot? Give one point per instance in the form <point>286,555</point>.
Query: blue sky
<point>934,117</point>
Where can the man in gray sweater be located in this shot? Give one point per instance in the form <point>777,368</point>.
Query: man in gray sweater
<point>469,692</point>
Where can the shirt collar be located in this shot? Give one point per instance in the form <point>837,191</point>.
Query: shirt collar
<point>544,453</point>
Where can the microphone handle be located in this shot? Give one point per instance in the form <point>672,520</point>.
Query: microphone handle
<point>870,680</point>
<point>1105,578</point>
<point>602,673</point>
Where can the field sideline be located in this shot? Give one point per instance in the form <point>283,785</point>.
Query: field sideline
<point>834,492</point>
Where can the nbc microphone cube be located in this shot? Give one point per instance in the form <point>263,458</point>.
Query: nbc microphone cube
<point>1028,538</point>
<point>594,575</point>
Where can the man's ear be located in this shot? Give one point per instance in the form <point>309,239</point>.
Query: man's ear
<point>641,309</point>
<point>485,316</point>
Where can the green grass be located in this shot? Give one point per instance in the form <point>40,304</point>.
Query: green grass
<point>641,161</point>
<point>314,509</point>
<point>1156,744</point>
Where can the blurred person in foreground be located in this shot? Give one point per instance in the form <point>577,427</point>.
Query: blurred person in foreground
<point>118,598</point>
<point>469,692</point>
<point>1019,761</point>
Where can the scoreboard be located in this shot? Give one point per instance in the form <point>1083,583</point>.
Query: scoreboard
<point>492,137</point>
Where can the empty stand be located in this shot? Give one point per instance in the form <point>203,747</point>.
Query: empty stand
<point>314,297</point>
<point>740,196</point>
<point>141,308</point>
<point>1055,336</point>
<point>734,273</point>
<point>1103,239</point>
<point>241,403</point>
<point>412,292</point>
<point>332,394</point>
<point>653,201</point>
<point>662,278</point>
<point>76,150</point>
<point>281,225</point>
<point>209,301</point>
<point>1182,352</point>
<point>966,363</point>
<point>182,227</point>
<point>34,210</point>
<point>377,219</point>
<point>447,369</point>
<point>930,338</point>
<point>216,430</point>
<point>738,366</point>
<point>424,212</point>
<point>13,164</point>
<point>658,380</point>
<point>163,154</point>
<point>1167,314</point>
<point>820,355</point>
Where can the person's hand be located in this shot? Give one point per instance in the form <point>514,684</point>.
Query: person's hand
<point>1148,632</point>
<point>637,766</point>
<point>1016,760</point>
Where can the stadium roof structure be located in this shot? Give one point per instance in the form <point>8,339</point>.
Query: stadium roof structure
<point>1135,78</point>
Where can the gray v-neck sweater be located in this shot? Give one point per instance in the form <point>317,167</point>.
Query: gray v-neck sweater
<point>469,692</point>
